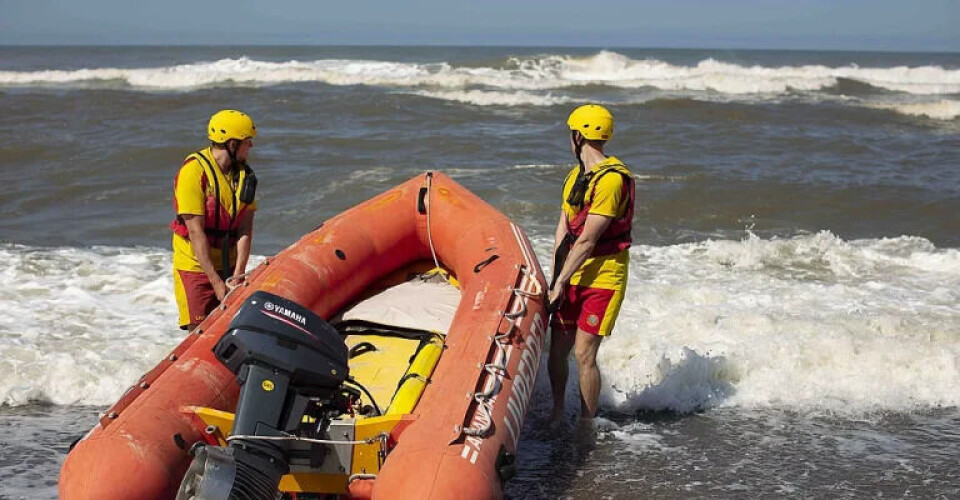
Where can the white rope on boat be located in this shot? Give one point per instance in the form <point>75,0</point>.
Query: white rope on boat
<point>494,370</point>
<point>239,280</point>
<point>355,477</point>
<point>433,251</point>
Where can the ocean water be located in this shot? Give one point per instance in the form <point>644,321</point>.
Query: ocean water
<point>791,327</point>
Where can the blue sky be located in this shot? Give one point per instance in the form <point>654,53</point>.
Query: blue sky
<point>902,25</point>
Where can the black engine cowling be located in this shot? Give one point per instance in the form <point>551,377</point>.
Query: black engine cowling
<point>289,363</point>
<point>272,331</point>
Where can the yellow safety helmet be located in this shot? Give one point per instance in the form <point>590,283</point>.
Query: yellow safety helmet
<point>230,124</point>
<point>593,121</point>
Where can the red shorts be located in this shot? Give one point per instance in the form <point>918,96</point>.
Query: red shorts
<point>195,296</point>
<point>593,310</point>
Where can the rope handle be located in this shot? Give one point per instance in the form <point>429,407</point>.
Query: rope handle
<point>484,263</point>
<point>233,283</point>
<point>483,398</point>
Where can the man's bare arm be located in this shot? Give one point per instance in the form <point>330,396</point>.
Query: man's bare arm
<point>201,248</point>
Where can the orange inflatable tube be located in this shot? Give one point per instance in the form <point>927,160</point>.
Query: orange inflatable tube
<point>460,438</point>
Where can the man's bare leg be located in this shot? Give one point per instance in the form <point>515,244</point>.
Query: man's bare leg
<point>586,349</point>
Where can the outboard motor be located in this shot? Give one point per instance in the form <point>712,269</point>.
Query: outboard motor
<point>291,365</point>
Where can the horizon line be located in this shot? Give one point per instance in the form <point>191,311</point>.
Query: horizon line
<point>477,46</point>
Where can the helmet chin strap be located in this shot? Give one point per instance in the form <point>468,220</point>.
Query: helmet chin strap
<point>232,152</point>
<point>578,148</point>
<point>577,192</point>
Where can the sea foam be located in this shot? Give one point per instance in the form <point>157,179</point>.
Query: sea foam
<point>808,323</point>
<point>80,325</point>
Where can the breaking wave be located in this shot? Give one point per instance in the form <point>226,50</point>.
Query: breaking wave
<point>549,72</point>
<point>807,323</point>
<point>810,323</point>
<point>943,109</point>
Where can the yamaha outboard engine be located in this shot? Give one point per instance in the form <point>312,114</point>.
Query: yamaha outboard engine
<point>291,365</point>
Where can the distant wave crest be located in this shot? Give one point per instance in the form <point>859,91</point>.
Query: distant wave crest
<point>944,109</point>
<point>548,72</point>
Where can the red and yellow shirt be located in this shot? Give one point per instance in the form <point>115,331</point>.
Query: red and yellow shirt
<point>194,194</point>
<point>602,271</point>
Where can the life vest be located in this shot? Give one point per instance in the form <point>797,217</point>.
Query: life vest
<point>616,237</point>
<point>220,222</point>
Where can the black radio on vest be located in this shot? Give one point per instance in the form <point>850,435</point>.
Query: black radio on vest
<point>249,188</point>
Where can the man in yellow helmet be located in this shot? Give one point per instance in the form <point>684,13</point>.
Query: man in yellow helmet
<point>592,256</point>
<point>214,205</point>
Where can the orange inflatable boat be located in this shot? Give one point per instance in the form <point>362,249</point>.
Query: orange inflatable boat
<point>390,353</point>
